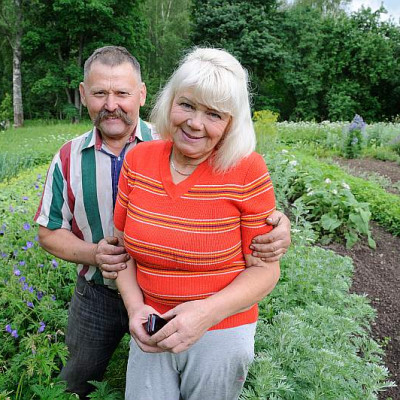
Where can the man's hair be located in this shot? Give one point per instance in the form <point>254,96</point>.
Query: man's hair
<point>217,80</point>
<point>112,56</point>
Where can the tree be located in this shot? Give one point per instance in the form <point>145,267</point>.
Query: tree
<point>11,26</point>
<point>64,34</point>
<point>247,29</point>
<point>169,34</point>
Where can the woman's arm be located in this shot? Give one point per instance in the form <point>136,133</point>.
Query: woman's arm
<point>133,299</point>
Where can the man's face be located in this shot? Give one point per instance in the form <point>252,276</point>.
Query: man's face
<point>113,96</point>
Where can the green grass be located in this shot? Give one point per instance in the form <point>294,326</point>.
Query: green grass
<point>34,144</point>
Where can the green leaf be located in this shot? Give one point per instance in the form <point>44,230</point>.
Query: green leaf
<point>330,222</point>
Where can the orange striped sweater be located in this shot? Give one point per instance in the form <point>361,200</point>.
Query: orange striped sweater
<point>189,239</point>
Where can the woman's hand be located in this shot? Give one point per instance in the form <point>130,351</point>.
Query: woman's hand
<point>136,320</point>
<point>188,323</point>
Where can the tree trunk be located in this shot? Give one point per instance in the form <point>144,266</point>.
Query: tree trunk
<point>17,79</point>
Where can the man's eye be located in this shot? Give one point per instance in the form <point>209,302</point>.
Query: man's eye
<point>99,94</point>
<point>122,94</point>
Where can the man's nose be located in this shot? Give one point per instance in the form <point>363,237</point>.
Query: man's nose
<point>111,103</point>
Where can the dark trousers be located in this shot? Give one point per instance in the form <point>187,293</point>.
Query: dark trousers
<point>97,321</point>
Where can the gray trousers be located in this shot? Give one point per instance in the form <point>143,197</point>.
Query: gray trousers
<point>214,368</point>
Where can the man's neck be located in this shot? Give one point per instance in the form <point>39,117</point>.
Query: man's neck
<point>117,144</point>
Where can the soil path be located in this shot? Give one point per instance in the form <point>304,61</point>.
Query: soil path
<point>377,274</point>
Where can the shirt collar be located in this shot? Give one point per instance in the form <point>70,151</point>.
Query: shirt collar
<point>94,138</point>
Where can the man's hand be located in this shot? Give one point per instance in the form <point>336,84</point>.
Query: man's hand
<point>273,245</point>
<point>110,258</point>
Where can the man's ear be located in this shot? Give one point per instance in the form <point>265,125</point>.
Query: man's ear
<point>82,93</point>
<point>143,94</point>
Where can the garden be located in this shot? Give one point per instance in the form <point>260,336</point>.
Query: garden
<point>330,328</point>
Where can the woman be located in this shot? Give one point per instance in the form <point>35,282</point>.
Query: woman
<point>204,194</point>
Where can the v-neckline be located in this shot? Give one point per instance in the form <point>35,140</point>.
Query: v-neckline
<point>176,190</point>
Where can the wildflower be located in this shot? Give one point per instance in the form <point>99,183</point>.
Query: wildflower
<point>30,289</point>
<point>3,255</point>
<point>328,181</point>
<point>22,279</point>
<point>41,265</point>
<point>36,238</point>
<point>22,263</point>
<point>8,328</point>
<point>15,253</point>
<point>27,226</point>
<point>39,295</point>
<point>53,297</point>
<point>25,198</point>
<point>36,186</point>
<point>54,263</point>
<point>14,333</point>
<point>39,176</point>
<point>345,185</point>
<point>29,245</point>
<point>2,232</point>
<point>284,151</point>
<point>11,208</point>
<point>334,191</point>
<point>25,286</point>
<point>293,162</point>
<point>29,304</point>
<point>17,272</point>
<point>42,326</point>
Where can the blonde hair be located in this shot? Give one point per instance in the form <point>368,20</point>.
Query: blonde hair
<point>217,80</point>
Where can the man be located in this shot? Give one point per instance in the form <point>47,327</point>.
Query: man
<point>76,212</point>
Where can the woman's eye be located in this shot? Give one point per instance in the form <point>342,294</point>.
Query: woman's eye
<point>186,105</point>
<point>214,115</point>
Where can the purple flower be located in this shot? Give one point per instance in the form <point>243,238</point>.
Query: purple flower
<point>31,289</point>
<point>22,279</point>
<point>22,263</point>
<point>36,186</point>
<point>14,333</point>
<point>25,198</point>
<point>2,232</point>
<point>3,255</point>
<point>36,238</point>
<point>29,245</point>
<point>39,295</point>
<point>40,265</point>
<point>25,286</point>
<point>27,226</point>
<point>8,328</point>
<point>29,304</point>
<point>54,263</point>
<point>15,253</point>
<point>42,326</point>
<point>11,208</point>
<point>17,272</point>
<point>39,176</point>
<point>53,297</point>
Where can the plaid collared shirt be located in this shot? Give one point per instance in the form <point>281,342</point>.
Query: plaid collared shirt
<point>81,188</point>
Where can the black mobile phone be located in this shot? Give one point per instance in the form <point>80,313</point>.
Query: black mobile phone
<point>154,323</point>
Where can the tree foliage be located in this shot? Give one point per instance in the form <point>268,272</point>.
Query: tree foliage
<point>309,60</point>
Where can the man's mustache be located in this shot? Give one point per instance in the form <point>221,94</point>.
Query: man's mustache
<point>118,113</point>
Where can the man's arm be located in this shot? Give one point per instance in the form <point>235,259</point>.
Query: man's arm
<point>273,245</point>
<point>65,245</point>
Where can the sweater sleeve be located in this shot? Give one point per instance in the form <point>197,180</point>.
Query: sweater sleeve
<point>258,201</point>
<point>125,185</point>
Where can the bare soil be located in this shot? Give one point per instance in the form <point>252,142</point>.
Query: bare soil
<point>377,274</point>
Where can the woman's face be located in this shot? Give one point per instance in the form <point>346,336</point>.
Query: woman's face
<point>196,129</point>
